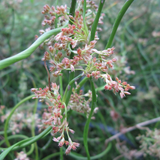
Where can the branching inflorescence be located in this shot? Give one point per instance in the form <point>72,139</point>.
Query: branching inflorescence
<point>74,39</point>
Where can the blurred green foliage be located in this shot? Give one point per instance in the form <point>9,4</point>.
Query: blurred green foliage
<point>137,49</point>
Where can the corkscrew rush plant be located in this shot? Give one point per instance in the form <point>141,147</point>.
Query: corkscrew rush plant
<point>70,39</point>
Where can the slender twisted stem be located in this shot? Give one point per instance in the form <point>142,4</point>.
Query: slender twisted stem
<point>26,53</point>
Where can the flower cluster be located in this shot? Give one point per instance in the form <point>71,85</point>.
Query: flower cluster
<point>19,120</point>
<point>21,156</point>
<point>71,49</point>
<point>79,103</point>
<point>75,39</point>
<point>55,116</point>
<point>150,143</point>
<point>117,85</point>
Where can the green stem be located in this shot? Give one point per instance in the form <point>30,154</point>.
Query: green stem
<point>61,153</point>
<point>68,87</point>
<point>117,22</point>
<point>19,136</point>
<point>83,81</point>
<point>25,143</point>
<point>98,156</point>
<point>13,137</point>
<point>86,128</point>
<point>71,76</point>
<point>33,124</point>
<point>8,118</point>
<point>84,15</point>
<point>95,23</point>
<point>72,8</point>
<point>72,12</point>
<point>56,20</point>
<point>2,132</point>
<point>31,140</point>
<point>61,85</point>
<point>33,129</point>
<point>45,146</point>
<point>51,156</point>
<point>61,93</point>
<point>26,53</point>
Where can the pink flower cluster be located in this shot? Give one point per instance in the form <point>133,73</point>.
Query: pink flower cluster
<point>62,141</point>
<point>19,120</point>
<point>74,41</point>
<point>55,116</point>
<point>79,103</point>
<point>21,156</point>
<point>50,15</point>
<point>117,85</point>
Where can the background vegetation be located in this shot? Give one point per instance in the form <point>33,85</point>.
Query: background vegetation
<point>137,48</point>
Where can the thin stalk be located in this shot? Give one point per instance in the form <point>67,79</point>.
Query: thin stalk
<point>86,128</point>
<point>95,23</point>
<point>68,87</point>
<point>72,8</point>
<point>117,22</point>
<point>67,93</point>
<point>26,53</point>
<point>61,93</point>
<point>83,81</point>
<point>84,15</point>
<point>31,140</point>
<point>25,143</point>
<point>45,146</point>
<point>61,85</point>
<point>61,153</point>
<point>98,156</point>
<point>8,118</point>
<point>137,126</point>
<point>72,12</point>
<point>56,20</point>
<point>33,125</point>
<point>51,156</point>
<point>49,83</point>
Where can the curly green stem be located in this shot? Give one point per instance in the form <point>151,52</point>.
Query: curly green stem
<point>19,136</point>
<point>26,53</point>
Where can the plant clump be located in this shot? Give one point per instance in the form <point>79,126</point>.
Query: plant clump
<point>71,49</point>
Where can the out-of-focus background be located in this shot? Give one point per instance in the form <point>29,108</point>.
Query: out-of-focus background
<point>137,48</point>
